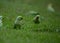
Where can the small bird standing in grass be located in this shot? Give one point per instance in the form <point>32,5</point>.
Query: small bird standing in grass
<point>18,22</point>
<point>36,19</point>
<point>1,24</point>
<point>34,13</point>
<point>50,8</point>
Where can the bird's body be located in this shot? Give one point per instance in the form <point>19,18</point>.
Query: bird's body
<point>36,19</point>
<point>18,22</point>
<point>1,24</point>
<point>33,13</point>
<point>50,8</point>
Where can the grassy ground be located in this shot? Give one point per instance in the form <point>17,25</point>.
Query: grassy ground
<point>10,9</point>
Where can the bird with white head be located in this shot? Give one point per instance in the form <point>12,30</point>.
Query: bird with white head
<point>50,8</point>
<point>18,22</point>
<point>36,19</point>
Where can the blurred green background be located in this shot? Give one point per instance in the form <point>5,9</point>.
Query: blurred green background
<point>10,9</point>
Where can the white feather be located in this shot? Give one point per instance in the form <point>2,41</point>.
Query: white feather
<point>18,20</point>
<point>1,21</point>
<point>50,8</point>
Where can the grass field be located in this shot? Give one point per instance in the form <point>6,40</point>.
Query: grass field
<point>10,9</point>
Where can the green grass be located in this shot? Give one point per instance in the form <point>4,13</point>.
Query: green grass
<point>10,9</point>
